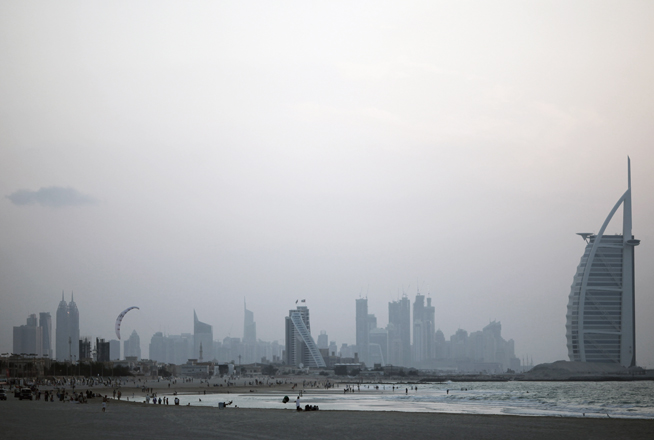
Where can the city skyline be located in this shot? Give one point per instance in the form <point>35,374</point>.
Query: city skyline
<point>186,157</point>
<point>205,331</point>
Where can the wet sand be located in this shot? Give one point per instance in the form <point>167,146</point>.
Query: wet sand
<point>38,419</point>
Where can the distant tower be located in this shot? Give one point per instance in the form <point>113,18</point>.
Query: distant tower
<point>323,340</point>
<point>363,330</point>
<point>202,334</point>
<point>62,334</point>
<point>399,332</point>
<point>114,350</point>
<point>300,346</point>
<point>418,329</point>
<point>28,339</point>
<point>600,325</point>
<point>73,326</point>
<point>423,329</point>
<point>132,346</point>
<point>45,322</point>
<point>249,326</point>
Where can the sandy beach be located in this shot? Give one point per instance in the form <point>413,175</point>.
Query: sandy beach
<point>39,419</point>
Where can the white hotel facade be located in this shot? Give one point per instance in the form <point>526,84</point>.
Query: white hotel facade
<point>600,324</point>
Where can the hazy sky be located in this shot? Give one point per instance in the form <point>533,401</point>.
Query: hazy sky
<point>188,155</point>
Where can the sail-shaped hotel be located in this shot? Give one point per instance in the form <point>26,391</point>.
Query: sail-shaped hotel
<point>600,325</point>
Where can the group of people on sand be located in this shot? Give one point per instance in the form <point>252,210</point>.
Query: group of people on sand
<point>298,406</point>
<point>159,401</point>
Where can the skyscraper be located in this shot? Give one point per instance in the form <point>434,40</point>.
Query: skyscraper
<point>132,346</point>
<point>28,339</point>
<point>73,326</point>
<point>418,329</point>
<point>63,352</point>
<point>323,341</point>
<point>158,348</point>
<point>301,349</point>
<point>45,322</point>
<point>202,335</point>
<point>102,350</point>
<point>249,336</point>
<point>85,349</point>
<point>249,326</point>
<point>67,332</point>
<point>399,332</point>
<point>114,349</point>
<point>423,330</point>
<point>363,329</point>
<point>378,346</point>
<point>600,324</point>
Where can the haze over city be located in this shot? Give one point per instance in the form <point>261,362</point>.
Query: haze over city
<point>180,156</point>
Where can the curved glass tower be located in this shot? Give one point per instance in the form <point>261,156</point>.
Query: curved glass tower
<point>600,324</point>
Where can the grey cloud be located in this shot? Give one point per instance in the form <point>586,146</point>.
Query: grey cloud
<point>52,196</point>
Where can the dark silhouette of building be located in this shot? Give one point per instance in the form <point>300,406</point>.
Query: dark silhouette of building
<point>103,350</point>
<point>85,350</point>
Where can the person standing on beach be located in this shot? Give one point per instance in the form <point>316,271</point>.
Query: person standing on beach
<point>104,403</point>
<point>297,404</point>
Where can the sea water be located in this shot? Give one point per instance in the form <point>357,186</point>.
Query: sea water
<point>566,399</point>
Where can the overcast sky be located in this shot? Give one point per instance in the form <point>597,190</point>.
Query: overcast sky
<point>188,155</point>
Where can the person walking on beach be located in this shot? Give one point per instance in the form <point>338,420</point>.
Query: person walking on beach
<point>297,404</point>
<point>104,403</point>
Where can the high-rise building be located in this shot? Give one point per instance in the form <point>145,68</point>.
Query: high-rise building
<point>378,346</point>
<point>132,346</point>
<point>399,332</point>
<point>250,351</point>
<point>28,339</point>
<point>484,350</point>
<point>73,326</point>
<point>423,330</point>
<point>202,335</point>
<point>600,324</point>
<point>158,348</point>
<point>85,349</point>
<point>102,350</point>
<point>249,326</point>
<point>64,350</point>
<point>67,332</point>
<point>363,329</point>
<point>45,322</point>
<point>301,349</point>
<point>323,340</point>
<point>333,348</point>
<point>114,350</point>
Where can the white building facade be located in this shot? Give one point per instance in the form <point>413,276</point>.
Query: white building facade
<point>600,324</point>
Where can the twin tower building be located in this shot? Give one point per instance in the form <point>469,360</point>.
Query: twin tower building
<point>67,333</point>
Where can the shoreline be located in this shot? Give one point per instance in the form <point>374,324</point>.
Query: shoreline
<point>244,392</point>
<point>38,419</point>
